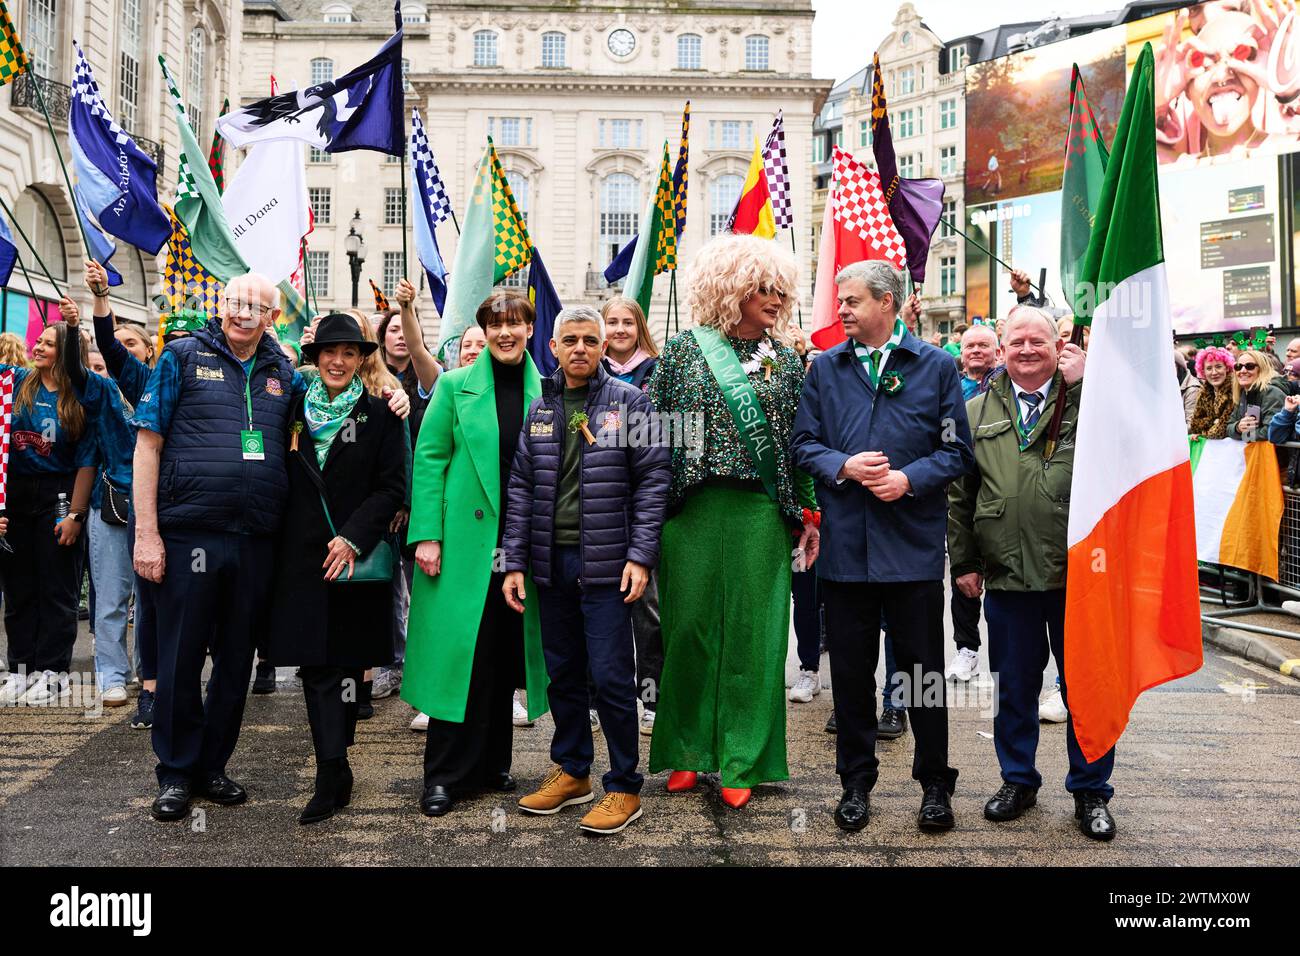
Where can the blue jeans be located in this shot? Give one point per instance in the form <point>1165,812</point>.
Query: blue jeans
<point>1023,626</point>
<point>588,628</point>
<point>110,567</point>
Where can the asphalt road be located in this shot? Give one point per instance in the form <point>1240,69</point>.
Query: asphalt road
<point>1204,775</point>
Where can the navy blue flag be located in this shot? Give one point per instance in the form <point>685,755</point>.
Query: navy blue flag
<point>360,110</point>
<point>118,180</point>
<point>8,252</point>
<point>546,305</point>
<point>101,247</point>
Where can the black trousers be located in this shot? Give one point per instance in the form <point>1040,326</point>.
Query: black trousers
<point>463,756</point>
<point>965,619</point>
<point>915,613</point>
<point>332,700</point>
<point>42,579</point>
<point>214,597</point>
<point>649,641</point>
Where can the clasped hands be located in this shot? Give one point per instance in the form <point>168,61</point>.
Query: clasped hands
<point>871,470</point>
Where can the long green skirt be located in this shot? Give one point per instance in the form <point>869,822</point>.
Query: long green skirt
<point>724,599</point>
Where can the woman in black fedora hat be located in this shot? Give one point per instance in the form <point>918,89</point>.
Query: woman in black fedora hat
<point>333,589</point>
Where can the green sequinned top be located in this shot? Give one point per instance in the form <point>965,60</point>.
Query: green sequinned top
<point>683,384</point>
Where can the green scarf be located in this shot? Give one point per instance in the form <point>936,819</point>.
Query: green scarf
<point>325,416</point>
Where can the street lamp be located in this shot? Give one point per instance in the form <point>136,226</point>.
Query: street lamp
<point>356,247</point>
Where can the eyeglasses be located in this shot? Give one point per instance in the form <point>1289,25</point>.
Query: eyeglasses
<point>254,309</point>
<point>1246,367</point>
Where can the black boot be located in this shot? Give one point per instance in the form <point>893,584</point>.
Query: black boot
<point>329,780</point>
<point>343,795</point>
<point>365,709</point>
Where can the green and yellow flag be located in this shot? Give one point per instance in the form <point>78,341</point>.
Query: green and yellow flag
<point>12,58</point>
<point>656,245</point>
<point>493,244</point>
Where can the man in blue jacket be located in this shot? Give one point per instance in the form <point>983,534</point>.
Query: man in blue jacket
<point>588,491</point>
<point>882,427</point>
<point>209,491</point>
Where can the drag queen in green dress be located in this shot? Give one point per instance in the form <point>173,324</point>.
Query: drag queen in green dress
<point>739,514</point>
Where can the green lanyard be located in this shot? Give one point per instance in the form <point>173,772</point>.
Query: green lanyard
<point>248,397</point>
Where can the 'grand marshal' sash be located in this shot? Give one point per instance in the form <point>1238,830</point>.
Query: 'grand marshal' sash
<point>742,402</point>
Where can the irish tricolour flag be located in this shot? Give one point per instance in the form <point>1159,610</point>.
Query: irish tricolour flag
<point>1238,504</point>
<point>1132,617</point>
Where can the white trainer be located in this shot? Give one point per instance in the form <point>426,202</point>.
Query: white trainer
<point>47,688</point>
<point>520,718</point>
<point>1052,708</point>
<point>648,723</point>
<point>964,666</point>
<point>420,723</point>
<point>114,697</point>
<point>595,720</point>
<point>808,686</point>
<point>12,688</point>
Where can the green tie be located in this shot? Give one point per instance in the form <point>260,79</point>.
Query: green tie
<point>875,366</point>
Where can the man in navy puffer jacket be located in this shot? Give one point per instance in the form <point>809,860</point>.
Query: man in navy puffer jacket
<point>588,490</point>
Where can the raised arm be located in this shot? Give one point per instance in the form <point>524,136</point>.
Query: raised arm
<point>427,368</point>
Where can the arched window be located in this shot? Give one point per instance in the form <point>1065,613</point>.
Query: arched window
<point>41,38</point>
<point>337,13</point>
<point>723,195</point>
<point>414,13</point>
<point>128,63</point>
<point>35,215</point>
<point>553,49</point>
<point>485,48</point>
<point>127,261</point>
<point>195,88</point>
<point>618,202</point>
<point>756,52</point>
<point>322,70</point>
<point>689,52</point>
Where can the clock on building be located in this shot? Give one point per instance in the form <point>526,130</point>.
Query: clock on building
<point>907,38</point>
<point>622,42</point>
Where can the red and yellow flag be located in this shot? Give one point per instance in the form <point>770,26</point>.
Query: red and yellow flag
<point>753,213</point>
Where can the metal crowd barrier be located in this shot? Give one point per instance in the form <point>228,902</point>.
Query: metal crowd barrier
<point>1256,586</point>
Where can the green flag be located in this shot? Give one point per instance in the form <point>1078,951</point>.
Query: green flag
<point>1085,168</point>
<point>493,244</point>
<point>198,200</point>
<point>652,249</point>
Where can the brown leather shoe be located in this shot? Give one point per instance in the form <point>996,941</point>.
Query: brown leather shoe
<point>558,790</point>
<point>614,812</point>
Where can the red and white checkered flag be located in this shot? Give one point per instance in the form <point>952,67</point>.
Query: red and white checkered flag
<point>6,427</point>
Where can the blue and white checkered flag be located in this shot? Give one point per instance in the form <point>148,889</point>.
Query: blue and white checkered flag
<point>432,208</point>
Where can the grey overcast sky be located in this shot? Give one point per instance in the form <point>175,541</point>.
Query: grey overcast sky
<point>847,32</point>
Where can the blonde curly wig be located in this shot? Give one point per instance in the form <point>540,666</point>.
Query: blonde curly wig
<point>728,270</point>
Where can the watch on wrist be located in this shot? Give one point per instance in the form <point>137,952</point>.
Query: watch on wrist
<point>77,516</point>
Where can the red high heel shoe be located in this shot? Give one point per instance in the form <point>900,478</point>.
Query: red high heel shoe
<point>736,797</point>
<point>680,781</point>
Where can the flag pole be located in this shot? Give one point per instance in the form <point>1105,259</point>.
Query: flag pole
<point>76,206</point>
<point>27,276</point>
<point>988,252</point>
<point>1058,414</point>
<point>452,212</point>
<point>36,255</point>
<point>404,151</point>
<point>795,249</point>
<point>306,281</point>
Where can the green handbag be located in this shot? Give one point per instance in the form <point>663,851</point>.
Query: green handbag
<point>374,567</point>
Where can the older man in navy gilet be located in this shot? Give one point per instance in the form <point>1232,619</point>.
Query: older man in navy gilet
<point>209,491</point>
<point>882,427</point>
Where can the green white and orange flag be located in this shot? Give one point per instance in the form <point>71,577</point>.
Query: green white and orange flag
<point>1132,611</point>
<point>1239,503</point>
<point>656,249</point>
<point>493,244</point>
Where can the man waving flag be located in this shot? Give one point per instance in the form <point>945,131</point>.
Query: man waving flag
<point>1132,615</point>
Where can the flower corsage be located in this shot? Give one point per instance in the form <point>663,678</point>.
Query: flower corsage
<point>764,358</point>
<point>578,422</point>
<point>891,383</point>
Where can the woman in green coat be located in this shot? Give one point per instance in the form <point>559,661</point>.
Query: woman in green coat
<point>466,650</point>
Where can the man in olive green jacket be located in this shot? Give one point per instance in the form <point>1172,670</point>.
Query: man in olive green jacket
<point>1007,527</point>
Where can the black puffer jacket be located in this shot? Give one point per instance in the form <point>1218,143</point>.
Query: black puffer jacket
<point>623,483</point>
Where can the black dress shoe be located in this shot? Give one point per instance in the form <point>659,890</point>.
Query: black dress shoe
<point>1094,816</point>
<point>221,789</point>
<point>854,810</point>
<point>1011,800</point>
<point>501,782</point>
<point>892,725</point>
<point>172,802</point>
<point>936,810</point>
<point>831,727</point>
<point>436,801</point>
<point>264,681</point>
